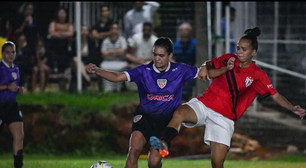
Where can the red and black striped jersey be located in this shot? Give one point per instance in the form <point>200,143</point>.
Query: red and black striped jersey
<point>231,93</point>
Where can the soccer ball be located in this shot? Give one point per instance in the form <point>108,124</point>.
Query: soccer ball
<point>101,164</point>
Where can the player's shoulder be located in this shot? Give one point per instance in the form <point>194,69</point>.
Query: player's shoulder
<point>2,66</point>
<point>179,65</point>
<point>144,67</point>
<point>258,71</point>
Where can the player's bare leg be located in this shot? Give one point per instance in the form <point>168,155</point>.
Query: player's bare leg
<point>218,154</point>
<point>136,144</point>
<point>154,159</point>
<point>183,114</point>
<point>16,129</point>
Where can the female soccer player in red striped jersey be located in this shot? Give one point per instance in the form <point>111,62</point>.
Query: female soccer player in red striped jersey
<point>225,100</point>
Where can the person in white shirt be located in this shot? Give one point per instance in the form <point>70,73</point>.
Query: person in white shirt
<point>113,51</point>
<point>142,11</point>
<point>140,46</point>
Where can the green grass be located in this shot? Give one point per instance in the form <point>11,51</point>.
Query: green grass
<point>33,161</point>
<point>98,101</point>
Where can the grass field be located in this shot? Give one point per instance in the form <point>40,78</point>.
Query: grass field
<point>32,161</point>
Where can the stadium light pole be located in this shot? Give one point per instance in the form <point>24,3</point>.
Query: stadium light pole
<point>78,40</point>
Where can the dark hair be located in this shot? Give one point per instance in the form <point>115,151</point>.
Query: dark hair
<point>252,34</point>
<point>147,24</point>
<point>104,5</point>
<point>7,43</point>
<point>57,11</point>
<point>232,10</point>
<point>166,43</point>
<point>23,7</point>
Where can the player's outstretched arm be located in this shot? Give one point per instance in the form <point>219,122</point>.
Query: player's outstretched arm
<point>282,101</point>
<point>108,75</point>
<point>207,71</point>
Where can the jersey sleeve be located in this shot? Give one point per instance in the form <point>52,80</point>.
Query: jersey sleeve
<point>221,61</point>
<point>135,74</point>
<point>264,86</point>
<point>191,72</point>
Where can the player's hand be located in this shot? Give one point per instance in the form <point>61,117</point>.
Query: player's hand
<point>91,68</point>
<point>203,74</point>
<point>298,111</point>
<point>230,63</point>
<point>13,87</point>
<point>21,90</point>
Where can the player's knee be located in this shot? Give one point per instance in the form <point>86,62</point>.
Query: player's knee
<point>134,152</point>
<point>154,164</point>
<point>19,138</point>
<point>179,113</point>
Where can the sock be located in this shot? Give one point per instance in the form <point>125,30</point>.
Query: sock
<point>18,159</point>
<point>169,134</point>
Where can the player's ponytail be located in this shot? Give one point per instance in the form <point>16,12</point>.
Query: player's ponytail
<point>252,34</point>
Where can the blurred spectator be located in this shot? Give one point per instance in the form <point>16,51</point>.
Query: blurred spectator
<point>99,32</point>
<point>113,50</point>
<point>24,60</point>
<point>26,23</point>
<point>61,33</point>
<point>2,41</point>
<point>140,46</point>
<point>3,33</point>
<point>223,24</point>
<point>101,29</point>
<point>143,11</point>
<point>40,67</point>
<point>185,52</point>
<point>88,52</point>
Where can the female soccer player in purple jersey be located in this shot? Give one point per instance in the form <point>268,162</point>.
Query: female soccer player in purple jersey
<point>10,113</point>
<point>160,86</point>
<point>225,100</point>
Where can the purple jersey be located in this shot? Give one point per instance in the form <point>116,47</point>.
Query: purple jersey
<point>160,93</point>
<point>8,75</point>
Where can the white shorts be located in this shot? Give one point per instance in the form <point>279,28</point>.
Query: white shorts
<point>217,127</point>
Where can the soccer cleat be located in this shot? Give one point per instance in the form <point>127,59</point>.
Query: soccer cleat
<point>159,145</point>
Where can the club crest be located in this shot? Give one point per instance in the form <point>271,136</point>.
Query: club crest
<point>137,118</point>
<point>248,81</point>
<point>14,74</point>
<point>162,83</point>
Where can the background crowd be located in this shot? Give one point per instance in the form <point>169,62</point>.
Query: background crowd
<point>49,57</point>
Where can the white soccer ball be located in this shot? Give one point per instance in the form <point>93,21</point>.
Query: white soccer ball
<point>101,164</point>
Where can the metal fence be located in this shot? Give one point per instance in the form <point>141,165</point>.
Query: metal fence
<point>282,42</point>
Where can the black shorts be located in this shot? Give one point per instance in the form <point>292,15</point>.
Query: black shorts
<point>9,113</point>
<point>150,125</point>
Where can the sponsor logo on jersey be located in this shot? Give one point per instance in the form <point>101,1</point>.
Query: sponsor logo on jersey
<point>160,97</point>
<point>137,118</point>
<point>269,86</point>
<point>162,83</point>
<point>248,81</point>
<point>14,74</point>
